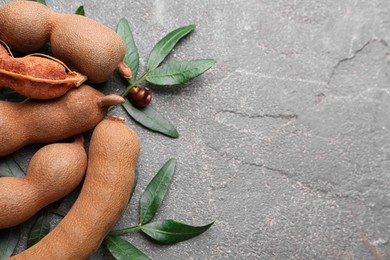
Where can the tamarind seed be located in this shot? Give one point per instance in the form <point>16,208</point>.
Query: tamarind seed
<point>140,96</point>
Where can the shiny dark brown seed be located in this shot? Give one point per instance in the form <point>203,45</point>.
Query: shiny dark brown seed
<point>140,96</point>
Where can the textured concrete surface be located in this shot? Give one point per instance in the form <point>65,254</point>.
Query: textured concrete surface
<point>285,142</point>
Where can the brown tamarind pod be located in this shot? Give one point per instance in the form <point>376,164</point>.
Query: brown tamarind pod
<point>113,153</point>
<point>82,43</point>
<point>88,47</point>
<point>25,25</point>
<point>54,171</point>
<point>46,121</point>
<point>40,77</point>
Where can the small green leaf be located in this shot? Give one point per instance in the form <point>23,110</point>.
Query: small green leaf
<point>178,72</point>
<point>39,229</point>
<point>151,119</point>
<point>10,95</point>
<point>40,1</point>
<point>165,46</point>
<point>122,249</point>
<point>9,238</point>
<point>10,168</point>
<point>155,191</point>
<point>170,231</point>
<point>80,10</point>
<point>131,58</point>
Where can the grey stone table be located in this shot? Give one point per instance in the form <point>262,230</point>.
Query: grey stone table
<point>285,142</point>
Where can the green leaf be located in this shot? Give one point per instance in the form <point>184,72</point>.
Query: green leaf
<point>155,191</point>
<point>165,46</point>
<point>170,231</point>
<point>40,1</point>
<point>131,58</point>
<point>39,229</point>
<point>10,95</point>
<point>9,238</point>
<point>10,168</point>
<point>151,119</point>
<point>134,185</point>
<point>178,72</point>
<point>122,249</point>
<point>80,10</point>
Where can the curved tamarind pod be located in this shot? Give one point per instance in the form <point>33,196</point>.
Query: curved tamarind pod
<point>54,171</point>
<point>46,121</point>
<point>35,76</point>
<point>112,156</point>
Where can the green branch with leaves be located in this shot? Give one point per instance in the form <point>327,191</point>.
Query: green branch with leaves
<point>168,74</point>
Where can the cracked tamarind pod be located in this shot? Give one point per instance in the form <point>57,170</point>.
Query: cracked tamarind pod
<point>83,44</point>
<point>54,171</point>
<point>40,77</point>
<point>45,121</point>
<point>113,153</point>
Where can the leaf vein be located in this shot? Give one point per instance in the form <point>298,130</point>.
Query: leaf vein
<point>168,233</point>
<point>150,201</point>
<point>119,247</point>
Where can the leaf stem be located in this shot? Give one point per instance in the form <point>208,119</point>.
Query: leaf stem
<point>125,230</point>
<point>135,83</point>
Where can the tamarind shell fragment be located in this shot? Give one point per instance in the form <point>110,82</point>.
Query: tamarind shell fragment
<point>37,77</point>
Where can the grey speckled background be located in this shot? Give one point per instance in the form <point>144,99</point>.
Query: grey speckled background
<point>285,142</point>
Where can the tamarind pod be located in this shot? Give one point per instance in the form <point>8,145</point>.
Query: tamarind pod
<point>113,152</point>
<point>40,88</point>
<point>45,121</point>
<point>88,47</point>
<point>36,77</point>
<point>54,171</point>
<point>25,25</point>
